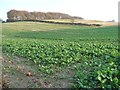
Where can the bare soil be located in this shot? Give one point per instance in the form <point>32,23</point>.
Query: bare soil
<point>18,72</point>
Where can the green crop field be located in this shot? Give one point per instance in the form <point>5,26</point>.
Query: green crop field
<point>90,52</point>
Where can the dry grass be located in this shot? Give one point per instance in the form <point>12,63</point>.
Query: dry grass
<point>85,21</point>
<point>33,26</point>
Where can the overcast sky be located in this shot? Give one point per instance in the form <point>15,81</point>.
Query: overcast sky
<point>89,9</point>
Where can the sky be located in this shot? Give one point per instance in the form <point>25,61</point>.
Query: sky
<point>105,10</point>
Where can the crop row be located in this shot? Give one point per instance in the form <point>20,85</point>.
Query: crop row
<point>50,56</point>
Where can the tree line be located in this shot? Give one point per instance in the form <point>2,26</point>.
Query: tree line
<point>25,15</point>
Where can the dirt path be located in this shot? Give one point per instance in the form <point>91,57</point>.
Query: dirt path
<point>21,73</point>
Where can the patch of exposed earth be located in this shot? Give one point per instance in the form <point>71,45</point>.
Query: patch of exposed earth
<point>18,72</point>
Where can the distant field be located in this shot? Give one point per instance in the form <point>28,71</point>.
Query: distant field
<point>85,21</point>
<point>61,56</point>
<point>54,31</point>
<point>33,26</point>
